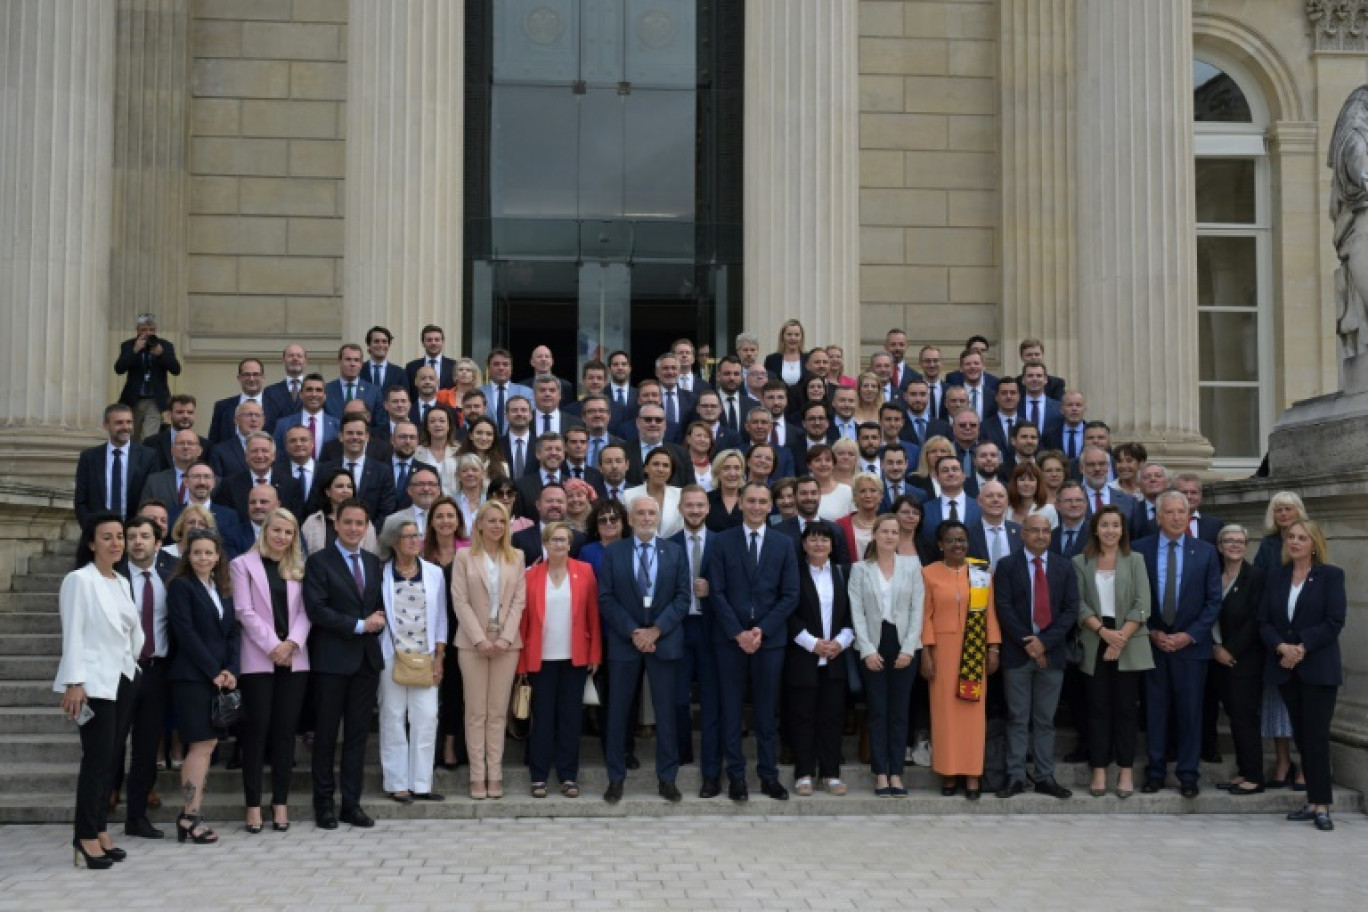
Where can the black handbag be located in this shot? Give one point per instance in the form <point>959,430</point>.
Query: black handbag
<point>225,709</point>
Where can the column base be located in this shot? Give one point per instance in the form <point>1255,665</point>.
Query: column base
<point>1177,452</point>
<point>40,462</point>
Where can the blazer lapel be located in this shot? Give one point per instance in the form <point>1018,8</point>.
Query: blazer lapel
<point>1312,579</point>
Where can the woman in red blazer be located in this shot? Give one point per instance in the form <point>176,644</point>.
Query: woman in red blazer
<point>269,603</point>
<point>562,646</point>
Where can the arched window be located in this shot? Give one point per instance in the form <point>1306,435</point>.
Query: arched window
<point>1234,261</point>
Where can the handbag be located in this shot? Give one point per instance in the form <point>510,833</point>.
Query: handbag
<point>413,669</point>
<point>522,698</point>
<point>591,694</point>
<point>225,709</point>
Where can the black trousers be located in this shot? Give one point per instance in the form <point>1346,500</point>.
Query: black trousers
<point>1240,689</point>
<point>1075,695</point>
<point>815,722</point>
<point>1113,714</point>
<point>919,710</point>
<point>348,701</point>
<point>451,704</point>
<point>557,720</point>
<point>888,693</point>
<point>271,701</point>
<point>148,728</point>
<point>1311,707</point>
<point>101,738</point>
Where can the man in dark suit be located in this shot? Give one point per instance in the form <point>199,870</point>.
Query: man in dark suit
<point>994,537</point>
<point>736,402</point>
<point>650,427</point>
<point>147,360</point>
<point>754,589</point>
<point>374,478</point>
<point>676,401</point>
<point>434,341</point>
<point>577,464</point>
<point>262,468</point>
<point>199,485</point>
<point>1036,596</point>
<point>699,661</point>
<point>499,388</point>
<point>378,371</point>
<point>816,431</point>
<point>342,596</point>
<point>979,384</point>
<point>349,386</point>
<point>1206,528</point>
<point>543,365</point>
<point>251,377</point>
<point>807,497</point>
<point>547,416</point>
<point>997,427</point>
<point>550,506</point>
<point>920,422</point>
<point>596,411</point>
<point>168,486</point>
<point>644,594</point>
<point>1036,405</point>
<point>987,467</point>
<point>180,417</point>
<point>619,389</point>
<point>929,360</point>
<point>1071,536</point>
<point>547,470</point>
<point>147,569</point>
<point>953,503</point>
<point>893,468</point>
<point>895,343</point>
<point>1067,437</point>
<point>310,414</point>
<point>229,456</point>
<point>282,397</point>
<point>1096,467</point>
<point>1185,600</point>
<point>964,436</point>
<point>1032,352</point>
<point>759,428</point>
<point>111,476</point>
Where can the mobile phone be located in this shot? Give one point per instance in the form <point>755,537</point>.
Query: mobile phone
<point>85,715</point>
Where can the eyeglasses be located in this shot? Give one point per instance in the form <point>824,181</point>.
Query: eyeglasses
<point>505,493</point>
<point>1235,541</point>
<point>609,520</point>
<point>410,536</point>
<point>651,420</point>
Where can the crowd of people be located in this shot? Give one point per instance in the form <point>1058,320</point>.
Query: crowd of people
<point>431,542</point>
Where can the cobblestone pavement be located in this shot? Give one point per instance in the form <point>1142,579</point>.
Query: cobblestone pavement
<point>943,862</point>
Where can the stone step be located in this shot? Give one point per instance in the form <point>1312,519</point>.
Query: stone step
<point>28,694</point>
<point>61,546</point>
<point>31,644</point>
<point>223,807</point>
<point>39,582</point>
<point>30,622</point>
<point>34,720</point>
<point>47,564</point>
<point>28,601</point>
<point>27,667</point>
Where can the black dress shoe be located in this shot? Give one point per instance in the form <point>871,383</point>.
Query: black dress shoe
<point>1077,756</point>
<point>1015,787</point>
<point>401,797</point>
<point>356,817</point>
<point>1303,814</point>
<point>613,794</point>
<point>143,828</point>
<point>670,792</point>
<point>1189,790</point>
<point>737,791</point>
<point>1323,823</point>
<point>1151,786</point>
<point>1246,788</point>
<point>775,789</point>
<point>1053,789</point>
<point>711,789</point>
<point>631,762</point>
<point>325,819</point>
<point>972,794</point>
<point>429,796</point>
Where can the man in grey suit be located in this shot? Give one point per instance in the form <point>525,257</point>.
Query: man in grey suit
<point>1096,465</point>
<point>501,388</point>
<point>168,486</point>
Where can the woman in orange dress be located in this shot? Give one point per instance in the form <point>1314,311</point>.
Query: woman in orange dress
<point>958,613</point>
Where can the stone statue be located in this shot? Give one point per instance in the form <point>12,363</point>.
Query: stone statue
<point>1348,161</point>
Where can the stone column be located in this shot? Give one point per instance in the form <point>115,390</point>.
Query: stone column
<point>801,205</point>
<point>405,109</point>
<point>56,137</point>
<point>149,268</point>
<point>1039,237</point>
<point>1137,287</point>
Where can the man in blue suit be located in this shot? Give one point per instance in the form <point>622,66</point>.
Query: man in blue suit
<point>644,593</point>
<point>1037,406</point>
<point>700,656</point>
<point>379,372</point>
<point>312,395</point>
<point>349,385</point>
<point>953,503</point>
<point>501,388</point>
<point>754,582</point>
<point>1185,600</point>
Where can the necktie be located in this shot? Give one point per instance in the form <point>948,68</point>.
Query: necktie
<point>149,631</point>
<point>356,482</point>
<point>896,489</point>
<point>1170,605</point>
<point>995,547</point>
<point>1035,412</point>
<point>755,549</point>
<point>872,469</point>
<point>401,475</point>
<point>577,471</point>
<point>1073,444</point>
<point>546,423</point>
<point>116,483</point>
<point>613,493</point>
<point>356,572</point>
<point>432,363</point>
<point>594,446</point>
<point>973,399</point>
<point>377,374</point>
<point>731,414</point>
<point>619,396</point>
<point>1040,608</point>
<point>671,413</point>
<point>1068,542</point>
<point>921,429</point>
<point>517,458</point>
<point>294,392</point>
<point>696,555</point>
<point>1150,509</point>
<point>260,480</point>
<point>351,392</point>
<point>643,577</point>
<point>303,482</point>
<point>499,408</point>
<point>1097,500</point>
<point>954,509</point>
<point>896,374</point>
<point>313,433</point>
<point>423,408</point>
<point>180,492</point>
<point>774,435</point>
<point>934,408</point>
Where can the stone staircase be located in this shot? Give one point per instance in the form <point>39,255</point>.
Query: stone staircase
<point>40,753</point>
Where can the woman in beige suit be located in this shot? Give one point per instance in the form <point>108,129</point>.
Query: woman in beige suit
<point>487,595</point>
<point>1114,603</point>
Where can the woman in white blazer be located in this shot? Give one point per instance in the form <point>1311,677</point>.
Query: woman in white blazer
<point>658,469</point>
<point>416,623</point>
<point>102,639</point>
<point>886,595</point>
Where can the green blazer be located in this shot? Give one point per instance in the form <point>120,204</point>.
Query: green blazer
<point>1132,604</point>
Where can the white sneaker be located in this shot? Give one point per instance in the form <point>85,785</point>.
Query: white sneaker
<point>921,754</point>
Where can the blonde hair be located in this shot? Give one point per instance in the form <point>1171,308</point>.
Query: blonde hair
<point>859,382</point>
<point>291,563</point>
<point>802,334</point>
<point>1320,549</point>
<point>178,530</point>
<point>1283,499</point>
<point>504,551</point>
<point>871,552</point>
<point>552,528</point>
<point>924,469</point>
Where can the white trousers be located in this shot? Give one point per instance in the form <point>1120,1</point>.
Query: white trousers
<point>406,756</point>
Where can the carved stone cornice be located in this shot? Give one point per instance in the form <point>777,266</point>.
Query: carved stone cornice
<point>1338,25</point>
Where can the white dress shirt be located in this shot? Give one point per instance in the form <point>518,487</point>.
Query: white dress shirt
<point>826,597</point>
<point>694,570</point>
<point>160,631</point>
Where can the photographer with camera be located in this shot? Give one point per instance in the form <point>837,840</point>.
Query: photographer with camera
<point>147,360</point>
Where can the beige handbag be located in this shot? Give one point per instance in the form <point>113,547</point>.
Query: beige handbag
<point>522,698</point>
<point>413,669</point>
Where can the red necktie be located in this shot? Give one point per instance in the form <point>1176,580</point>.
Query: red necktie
<point>260,481</point>
<point>356,573</point>
<point>774,435</point>
<point>1040,610</point>
<point>149,631</point>
<point>1097,496</point>
<point>180,492</point>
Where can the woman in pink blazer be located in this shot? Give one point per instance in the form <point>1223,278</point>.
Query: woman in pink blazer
<point>269,602</point>
<point>562,645</point>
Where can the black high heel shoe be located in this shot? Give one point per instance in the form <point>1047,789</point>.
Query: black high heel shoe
<point>116,854</point>
<point>205,836</point>
<point>93,862</point>
<point>277,825</point>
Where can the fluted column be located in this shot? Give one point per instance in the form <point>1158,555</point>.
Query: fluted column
<point>56,132</point>
<point>405,107</point>
<point>1039,164</point>
<point>802,170</point>
<point>1136,225</point>
<point>150,269</point>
